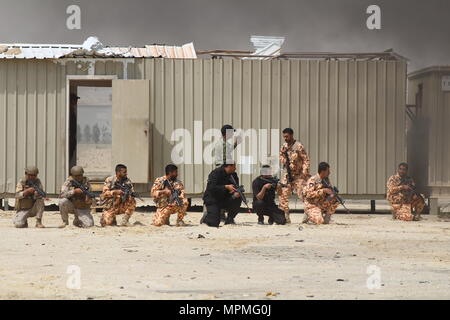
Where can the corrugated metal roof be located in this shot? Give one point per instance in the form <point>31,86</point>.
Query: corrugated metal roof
<point>40,51</point>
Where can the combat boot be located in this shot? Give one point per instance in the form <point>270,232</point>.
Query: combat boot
<point>326,218</point>
<point>305,218</point>
<point>261,219</point>
<point>229,221</point>
<point>63,225</point>
<point>181,223</point>
<point>125,220</point>
<point>39,223</point>
<point>288,218</point>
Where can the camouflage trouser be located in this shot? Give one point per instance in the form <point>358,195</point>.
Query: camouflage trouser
<point>20,219</point>
<point>162,215</point>
<point>83,217</point>
<point>403,211</point>
<point>320,214</point>
<point>109,215</point>
<point>284,194</point>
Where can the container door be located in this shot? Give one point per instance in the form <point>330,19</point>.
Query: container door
<point>130,127</point>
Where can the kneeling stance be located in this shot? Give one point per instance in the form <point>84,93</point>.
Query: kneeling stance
<point>28,201</point>
<point>264,198</point>
<point>320,202</point>
<point>169,197</point>
<point>407,204</point>
<point>75,200</point>
<point>117,198</point>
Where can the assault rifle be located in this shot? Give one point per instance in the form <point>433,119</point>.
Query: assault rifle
<point>335,190</point>
<point>240,190</point>
<point>36,188</point>
<point>83,188</point>
<point>287,166</point>
<point>413,189</point>
<point>127,191</point>
<point>175,196</point>
<point>274,181</point>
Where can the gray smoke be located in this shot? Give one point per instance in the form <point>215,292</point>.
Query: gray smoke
<point>416,29</point>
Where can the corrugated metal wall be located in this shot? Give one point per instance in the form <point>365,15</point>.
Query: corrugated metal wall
<point>349,113</point>
<point>435,109</point>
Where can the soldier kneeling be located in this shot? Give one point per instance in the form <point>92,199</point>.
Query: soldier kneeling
<point>75,201</point>
<point>320,202</point>
<point>264,198</point>
<point>167,202</point>
<point>407,203</point>
<point>28,201</point>
<point>117,198</point>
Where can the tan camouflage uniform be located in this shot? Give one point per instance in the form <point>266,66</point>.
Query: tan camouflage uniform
<point>78,205</point>
<point>318,208</point>
<point>112,205</point>
<point>165,209</point>
<point>403,202</point>
<point>27,207</point>
<point>299,164</point>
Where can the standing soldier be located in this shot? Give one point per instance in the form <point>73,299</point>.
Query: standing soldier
<point>223,149</point>
<point>117,198</point>
<point>168,194</point>
<point>74,199</point>
<point>29,199</point>
<point>295,160</point>
<point>402,194</point>
<point>320,202</point>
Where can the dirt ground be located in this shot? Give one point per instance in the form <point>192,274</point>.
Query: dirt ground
<point>245,261</point>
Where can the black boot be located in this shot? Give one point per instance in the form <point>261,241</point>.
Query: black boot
<point>223,217</point>
<point>261,219</point>
<point>270,222</point>
<point>229,221</point>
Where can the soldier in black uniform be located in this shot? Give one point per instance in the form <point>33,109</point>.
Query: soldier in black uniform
<point>264,198</point>
<point>221,194</point>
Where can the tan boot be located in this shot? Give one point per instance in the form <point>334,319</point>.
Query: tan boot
<point>288,218</point>
<point>305,218</point>
<point>181,223</point>
<point>125,220</point>
<point>63,225</point>
<point>39,223</point>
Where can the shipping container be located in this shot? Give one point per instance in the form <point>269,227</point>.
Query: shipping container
<point>429,130</point>
<point>348,112</point>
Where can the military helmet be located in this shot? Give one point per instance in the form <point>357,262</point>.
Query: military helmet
<point>31,170</point>
<point>77,171</point>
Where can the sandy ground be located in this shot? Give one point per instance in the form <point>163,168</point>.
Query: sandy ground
<point>245,261</point>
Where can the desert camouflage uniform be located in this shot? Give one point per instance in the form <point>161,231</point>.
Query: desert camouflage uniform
<point>27,207</point>
<point>299,164</point>
<point>112,205</point>
<point>165,209</point>
<point>318,207</point>
<point>403,201</point>
<point>79,205</point>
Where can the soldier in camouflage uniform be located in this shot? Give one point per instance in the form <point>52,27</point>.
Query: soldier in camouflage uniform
<point>402,196</point>
<point>299,168</point>
<point>112,198</point>
<point>161,194</point>
<point>75,201</point>
<point>28,202</point>
<point>320,202</point>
